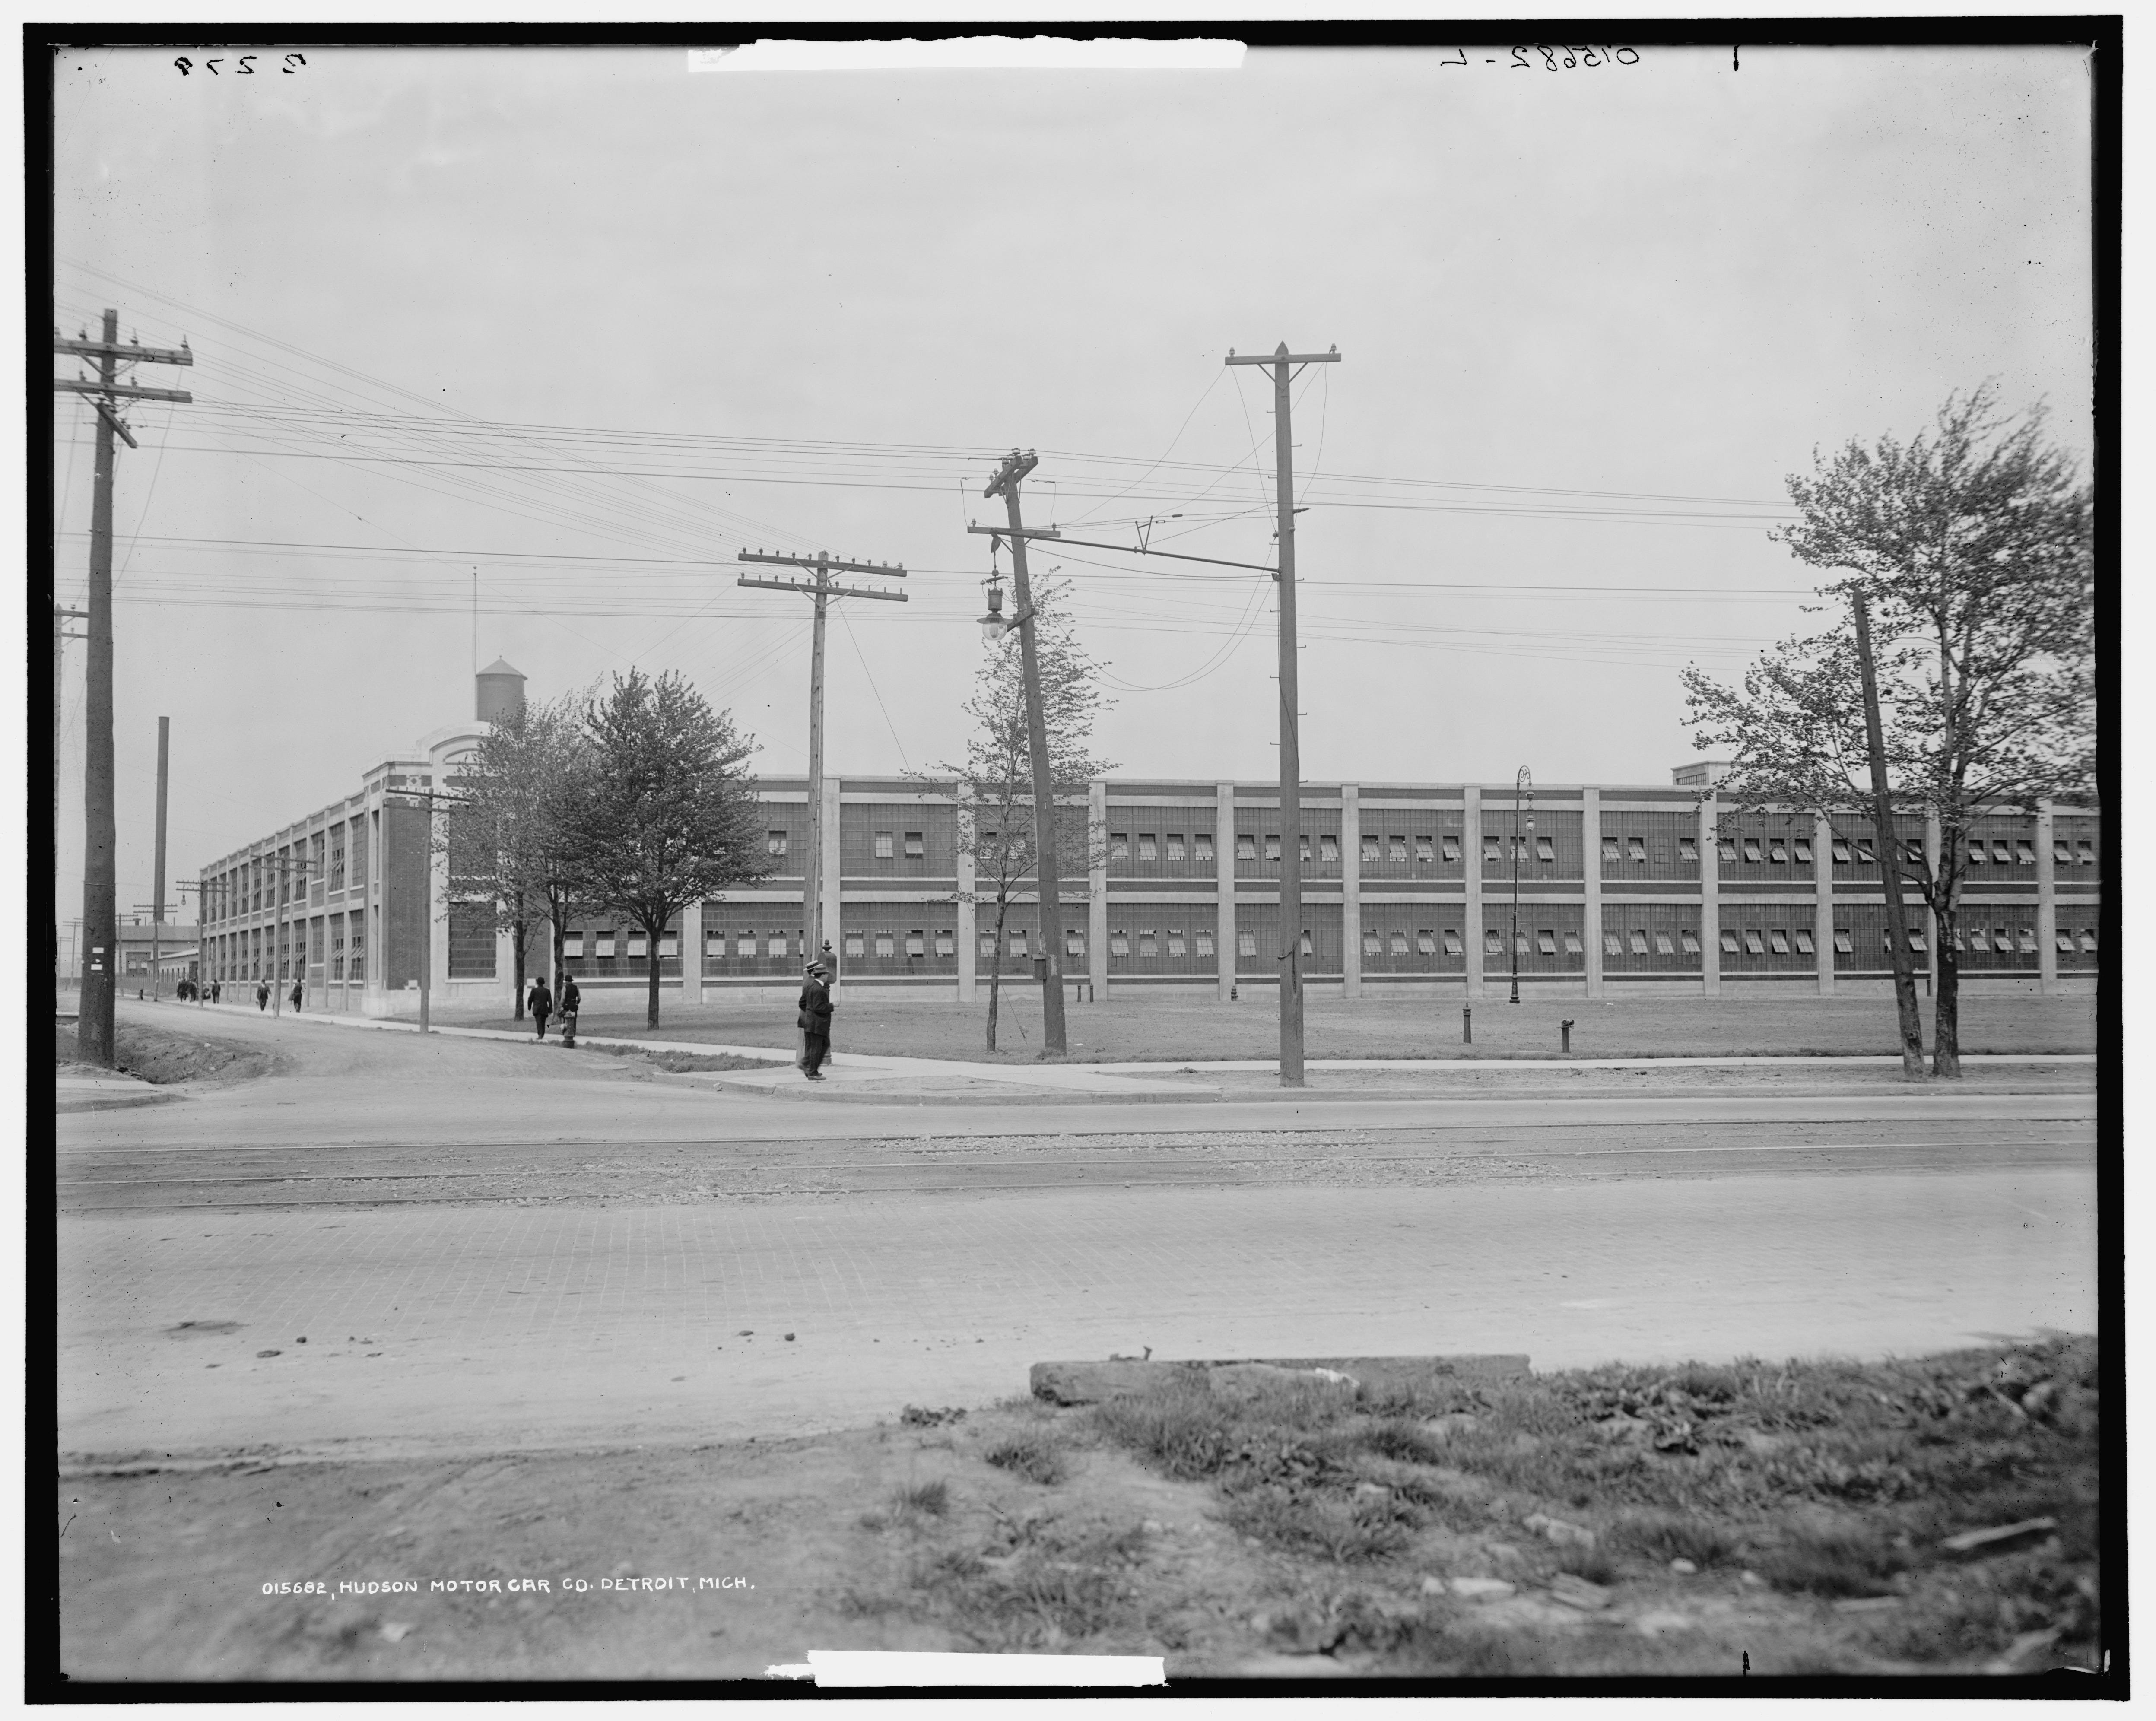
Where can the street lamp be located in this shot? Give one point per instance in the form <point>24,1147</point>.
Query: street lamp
<point>1523,785</point>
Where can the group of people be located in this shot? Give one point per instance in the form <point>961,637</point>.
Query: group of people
<point>262,994</point>
<point>542,1003</point>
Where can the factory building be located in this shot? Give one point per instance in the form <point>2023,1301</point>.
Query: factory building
<point>1590,889</point>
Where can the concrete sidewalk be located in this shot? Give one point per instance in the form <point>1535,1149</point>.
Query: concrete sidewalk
<point>82,1090</point>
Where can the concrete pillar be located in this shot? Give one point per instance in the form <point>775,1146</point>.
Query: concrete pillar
<point>966,953</point>
<point>1471,854</point>
<point>1096,885</point>
<point>2047,903</point>
<point>1223,859</point>
<point>1710,899</point>
<point>1823,902</point>
<point>1590,849</point>
<point>1351,890</point>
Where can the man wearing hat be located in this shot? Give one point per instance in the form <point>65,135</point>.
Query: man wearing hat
<point>815,1021</point>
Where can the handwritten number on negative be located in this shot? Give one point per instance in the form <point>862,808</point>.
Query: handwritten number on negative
<point>246,65</point>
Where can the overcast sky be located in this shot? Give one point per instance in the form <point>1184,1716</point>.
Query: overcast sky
<point>595,324</point>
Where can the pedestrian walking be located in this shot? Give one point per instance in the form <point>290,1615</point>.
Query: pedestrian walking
<point>541,1004</point>
<point>299,991</point>
<point>815,1021</point>
<point>262,995</point>
<point>570,1001</point>
<point>217,991</point>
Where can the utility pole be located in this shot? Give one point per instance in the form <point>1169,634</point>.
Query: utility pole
<point>94,1025</point>
<point>60,637</point>
<point>157,885</point>
<point>1050,963</point>
<point>1283,364</point>
<point>821,592</point>
<point>1890,854</point>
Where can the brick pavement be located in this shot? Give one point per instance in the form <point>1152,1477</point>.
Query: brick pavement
<point>504,1326</point>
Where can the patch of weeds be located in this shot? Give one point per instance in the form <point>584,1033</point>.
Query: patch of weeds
<point>1665,1536</point>
<point>1297,1520</point>
<point>1180,1427</point>
<point>930,1499</point>
<point>1398,1439</point>
<point>919,1417</point>
<point>1832,1561</point>
<point>1593,1564</point>
<point>1031,1457</point>
<point>1056,1588</point>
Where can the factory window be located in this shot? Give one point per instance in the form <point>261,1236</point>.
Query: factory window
<point>1119,943</point>
<point>1146,944</point>
<point>1803,938</point>
<point>886,945</point>
<point>1521,941</point>
<point>1726,849</point>
<point>1426,941</point>
<point>988,945</point>
<point>2002,939</point>
<point>1916,938</point>
<point>1729,941</point>
<point>1202,846</point>
<point>1073,943</point>
<point>1175,845</point>
<point>774,842</point>
<point>1272,846</point>
<point>1493,850</point>
<point>1119,845</point>
<point>1329,849</point>
<point>1372,944</point>
<point>1638,846</point>
<point>745,948</point>
<point>1204,941</point>
<point>1425,849</point>
<point>916,848</point>
<point>1912,851</point>
<point>2087,849</point>
<point>1175,941</point>
<point>2064,940</point>
<point>1302,847</point>
<point>1778,941</point>
<point>1777,852</point>
<point>1976,854</point>
<point>1689,939</point>
<point>602,944</point>
<point>946,944</point>
<point>1246,944</point>
<point>1454,944</point>
<point>1688,848</point>
<point>1613,851</point>
<point>1400,943</point>
<point>916,943</point>
<point>1546,942</point>
<point>1146,846</point>
<point>1639,941</point>
<point>856,946</point>
<point>1864,851</point>
<point>2029,940</point>
<point>667,947</point>
<point>2063,851</point>
<point>1399,847</point>
<point>1246,846</point>
<point>1751,850</point>
<point>882,846</point>
<point>715,944</point>
<point>636,944</point>
<point>1663,945</point>
<point>1612,945</point>
<point>775,945</point>
<point>2024,852</point>
<point>1307,949</point>
<point>1573,947</point>
<point>1451,848</point>
<point>2000,854</point>
<point>572,944</point>
<point>1018,941</point>
<point>1545,848</point>
<point>336,862</point>
<point>1802,846</point>
<point>1493,942</point>
<point>2088,939</point>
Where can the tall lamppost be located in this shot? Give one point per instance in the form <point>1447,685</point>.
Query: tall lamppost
<point>1523,785</point>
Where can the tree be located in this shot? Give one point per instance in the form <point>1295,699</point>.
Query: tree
<point>1972,547</point>
<point>994,785</point>
<point>668,815</point>
<point>507,836</point>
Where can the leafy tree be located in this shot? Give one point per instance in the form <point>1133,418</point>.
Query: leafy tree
<point>667,816</point>
<point>993,784</point>
<point>507,833</point>
<point>1971,545</point>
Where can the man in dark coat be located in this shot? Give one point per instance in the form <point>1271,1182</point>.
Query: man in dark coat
<point>815,1021</point>
<point>540,1003</point>
<point>571,1000</point>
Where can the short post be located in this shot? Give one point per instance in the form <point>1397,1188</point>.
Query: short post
<point>1564,1029</point>
<point>1467,1025</point>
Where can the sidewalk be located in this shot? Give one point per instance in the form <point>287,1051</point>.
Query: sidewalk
<point>83,1089</point>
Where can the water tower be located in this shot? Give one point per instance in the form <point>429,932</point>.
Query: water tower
<point>500,691</point>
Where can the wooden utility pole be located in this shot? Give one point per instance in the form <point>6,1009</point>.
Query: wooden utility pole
<point>60,637</point>
<point>1890,854</point>
<point>157,885</point>
<point>1283,364</point>
<point>1049,965</point>
<point>822,591</point>
<point>100,915</point>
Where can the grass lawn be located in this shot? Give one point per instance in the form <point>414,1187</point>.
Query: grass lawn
<point>1135,1026</point>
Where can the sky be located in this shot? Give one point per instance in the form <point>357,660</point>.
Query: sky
<point>590,324</point>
